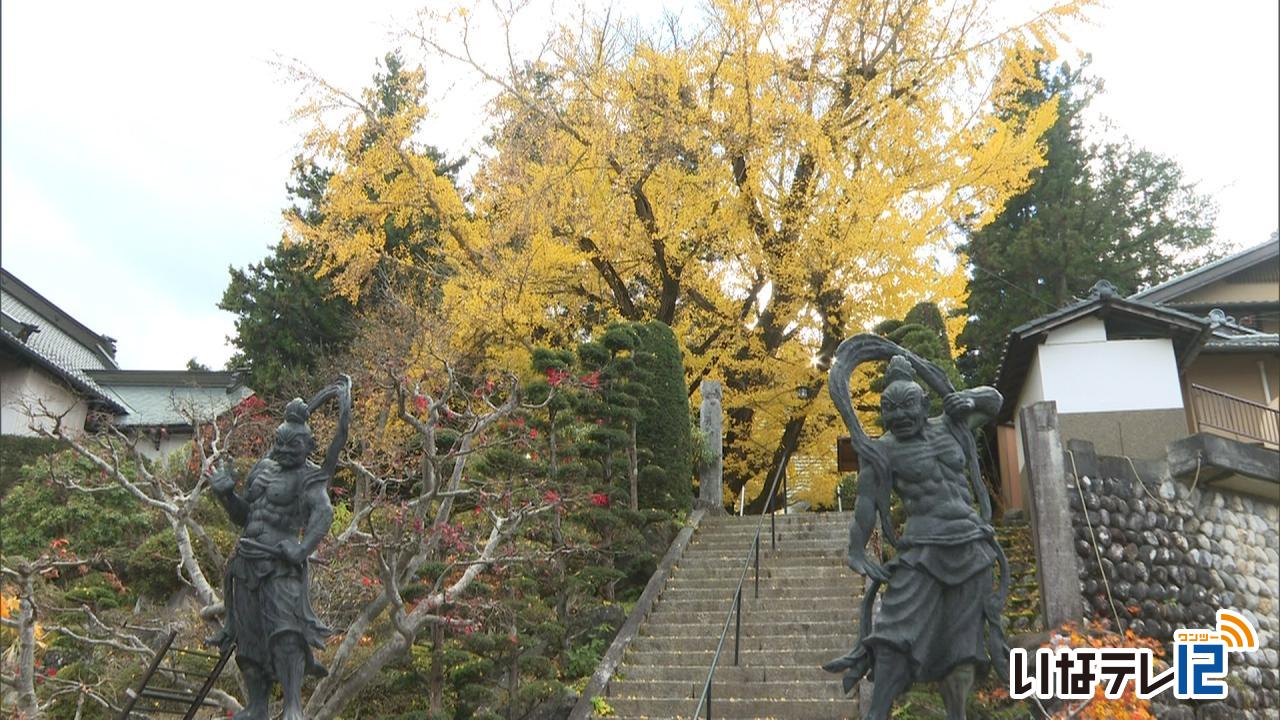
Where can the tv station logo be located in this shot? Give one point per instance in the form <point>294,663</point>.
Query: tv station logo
<point>1198,672</point>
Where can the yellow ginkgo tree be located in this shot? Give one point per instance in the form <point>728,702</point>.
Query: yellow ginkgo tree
<point>767,177</point>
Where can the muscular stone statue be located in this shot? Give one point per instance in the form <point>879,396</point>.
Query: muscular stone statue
<point>285,513</point>
<point>939,618</point>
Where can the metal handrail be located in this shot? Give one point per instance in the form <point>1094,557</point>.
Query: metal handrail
<point>736,608</point>
<point>1235,415</point>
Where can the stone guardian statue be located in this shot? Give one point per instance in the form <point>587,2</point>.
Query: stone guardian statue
<point>285,513</point>
<point>939,617</point>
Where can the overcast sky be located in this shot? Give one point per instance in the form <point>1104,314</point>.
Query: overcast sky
<point>146,145</point>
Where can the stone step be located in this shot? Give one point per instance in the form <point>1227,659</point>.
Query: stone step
<point>681,615</point>
<point>835,644</point>
<point>817,628</point>
<point>776,605</point>
<point>825,689</point>
<point>702,658</point>
<point>726,672</point>
<point>785,571</point>
<point>734,566</point>
<point>773,588</point>
<point>793,556</point>
<point>778,522</point>
<point>789,597</point>
<point>746,537</point>
<point>768,535</point>
<point>820,575</point>
<point>788,573</point>
<point>743,545</point>
<point>735,709</point>
<point>805,616</point>
<point>781,542</point>
<point>779,525</point>
<point>780,518</point>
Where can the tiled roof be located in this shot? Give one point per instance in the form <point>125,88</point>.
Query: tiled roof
<point>37,330</point>
<point>1244,343</point>
<point>77,379</point>
<point>1098,297</point>
<point>1209,272</point>
<point>1188,331</point>
<point>168,398</point>
<point>42,333</point>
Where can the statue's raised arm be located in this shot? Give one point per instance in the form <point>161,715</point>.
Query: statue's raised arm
<point>939,619</point>
<point>341,391</point>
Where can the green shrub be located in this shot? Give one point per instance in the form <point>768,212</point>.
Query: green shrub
<point>584,658</point>
<point>151,570</point>
<point>663,428</point>
<point>37,511</point>
<point>16,452</point>
<point>97,591</point>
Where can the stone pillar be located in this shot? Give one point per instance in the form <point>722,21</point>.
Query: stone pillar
<point>1056,564</point>
<point>711,473</point>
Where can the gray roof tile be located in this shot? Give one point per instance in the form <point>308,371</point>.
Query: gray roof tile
<point>57,348</point>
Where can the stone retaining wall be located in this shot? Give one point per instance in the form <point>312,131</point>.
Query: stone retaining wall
<point>1172,554</point>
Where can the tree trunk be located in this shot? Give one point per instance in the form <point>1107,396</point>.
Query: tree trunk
<point>330,700</point>
<point>606,548</point>
<point>28,705</point>
<point>562,586</point>
<point>632,470</point>
<point>551,442</point>
<point>513,678</point>
<point>204,590</point>
<point>435,681</point>
<point>781,454</point>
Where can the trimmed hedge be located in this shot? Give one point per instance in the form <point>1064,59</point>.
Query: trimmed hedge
<point>663,429</point>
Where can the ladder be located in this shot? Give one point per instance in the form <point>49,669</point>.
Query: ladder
<point>175,701</point>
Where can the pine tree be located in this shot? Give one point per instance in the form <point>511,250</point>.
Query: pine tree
<point>1096,210</point>
<point>287,321</point>
<point>923,332</point>
<point>291,317</point>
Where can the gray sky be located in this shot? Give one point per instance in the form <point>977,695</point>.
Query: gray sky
<point>146,145</point>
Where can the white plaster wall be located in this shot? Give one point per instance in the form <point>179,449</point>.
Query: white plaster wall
<point>1083,372</point>
<point>1114,376</point>
<point>25,387</point>
<point>168,445</point>
<point>1090,329</point>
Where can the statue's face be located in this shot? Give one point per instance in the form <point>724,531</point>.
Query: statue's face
<point>291,449</point>
<point>903,409</point>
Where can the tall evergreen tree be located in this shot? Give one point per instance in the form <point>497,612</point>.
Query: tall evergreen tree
<point>287,320</point>
<point>290,317</point>
<point>1096,210</point>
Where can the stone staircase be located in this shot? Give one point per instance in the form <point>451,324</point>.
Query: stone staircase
<point>806,614</point>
